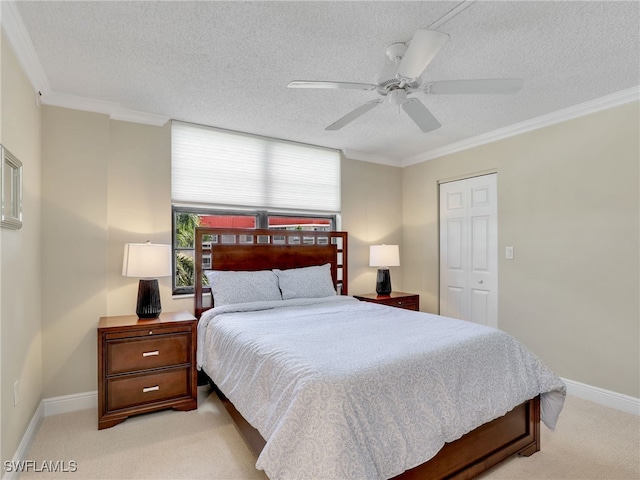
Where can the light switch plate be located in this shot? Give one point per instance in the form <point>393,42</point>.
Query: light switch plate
<point>508,253</point>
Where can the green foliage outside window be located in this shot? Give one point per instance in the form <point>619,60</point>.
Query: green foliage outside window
<point>186,224</point>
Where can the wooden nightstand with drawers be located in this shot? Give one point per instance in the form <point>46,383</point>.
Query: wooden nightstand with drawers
<point>145,365</point>
<point>409,301</point>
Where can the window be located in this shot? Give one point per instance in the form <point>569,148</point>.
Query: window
<point>186,219</point>
<point>221,178</point>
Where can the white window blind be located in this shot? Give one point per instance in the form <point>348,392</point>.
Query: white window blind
<point>223,168</point>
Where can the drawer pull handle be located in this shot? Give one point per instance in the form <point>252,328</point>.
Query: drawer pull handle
<point>151,389</point>
<point>151,354</point>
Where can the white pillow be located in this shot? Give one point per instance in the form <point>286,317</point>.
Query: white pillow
<point>306,282</point>
<point>228,287</point>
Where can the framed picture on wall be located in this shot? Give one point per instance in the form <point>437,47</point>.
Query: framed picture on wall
<point>11,190</point>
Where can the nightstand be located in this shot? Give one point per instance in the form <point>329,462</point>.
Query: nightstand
<point>409,301</point>
<point>145,365</point>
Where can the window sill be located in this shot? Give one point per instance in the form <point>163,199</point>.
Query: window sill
<point>179,296</point>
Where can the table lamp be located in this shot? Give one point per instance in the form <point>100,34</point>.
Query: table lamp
<point>383,257</point>
<point>148,261</point>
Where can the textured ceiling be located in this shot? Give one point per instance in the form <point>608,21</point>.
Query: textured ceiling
<point>227,64</point>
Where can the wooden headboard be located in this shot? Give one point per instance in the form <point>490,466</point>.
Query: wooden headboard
<point>242,249</point>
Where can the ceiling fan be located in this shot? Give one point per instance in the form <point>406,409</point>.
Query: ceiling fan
<point>400,78</point>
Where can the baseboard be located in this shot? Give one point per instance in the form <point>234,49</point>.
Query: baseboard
<point>47,407</point>
<point>619,401</point>
<point>70,403</point>
<point>25,444</point>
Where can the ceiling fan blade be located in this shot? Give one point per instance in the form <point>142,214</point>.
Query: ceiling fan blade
<point>421,115</point>
<point>486,86</point>
<point>423,48</point>
<point>351,116</point>
<point>335,85</point>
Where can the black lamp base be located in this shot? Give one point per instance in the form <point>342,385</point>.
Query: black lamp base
<point>148,299</point>
<point>383,283</point>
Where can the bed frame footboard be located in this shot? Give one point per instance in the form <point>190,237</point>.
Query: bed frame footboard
<point>472,454</point>
<point>476,452</point>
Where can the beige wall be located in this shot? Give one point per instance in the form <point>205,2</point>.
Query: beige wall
<point>371,213</point>
<point>108,183</point>
<point>568,201</point>
<point>21,349</point>
<point>139,206</point>
<point>75,152</point>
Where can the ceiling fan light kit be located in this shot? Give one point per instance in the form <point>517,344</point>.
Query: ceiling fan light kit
<point>397,96</point>
<point>401,77</point>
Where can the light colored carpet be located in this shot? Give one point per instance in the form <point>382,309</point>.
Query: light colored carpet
<point>590,442</point>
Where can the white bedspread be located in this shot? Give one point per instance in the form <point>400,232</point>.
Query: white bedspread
<point>345,389</point>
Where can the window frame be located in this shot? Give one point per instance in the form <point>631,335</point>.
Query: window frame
<point>262,222</point>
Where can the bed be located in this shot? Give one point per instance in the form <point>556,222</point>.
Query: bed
<point>389,396</point>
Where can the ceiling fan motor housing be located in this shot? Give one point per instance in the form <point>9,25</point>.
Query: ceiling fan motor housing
<point>387,80</point>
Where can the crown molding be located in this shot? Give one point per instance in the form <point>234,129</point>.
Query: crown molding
<point>369,157</point>
<point>592,106</point>
<point>23,47</point>
<point>136,116</point>
<point>20,41</point>
<point>78,103</point>
<point>114,110</point>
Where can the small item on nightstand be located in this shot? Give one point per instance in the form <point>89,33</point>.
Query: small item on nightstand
<point>147,261</point>
<point>383,257</point>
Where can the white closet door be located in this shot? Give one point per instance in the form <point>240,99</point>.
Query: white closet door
<point>469,250</point>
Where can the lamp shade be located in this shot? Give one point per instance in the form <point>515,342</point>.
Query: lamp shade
<point>146,260</point>
<point>384,256</point>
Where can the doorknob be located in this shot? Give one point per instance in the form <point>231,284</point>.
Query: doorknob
<point>480,281</point>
